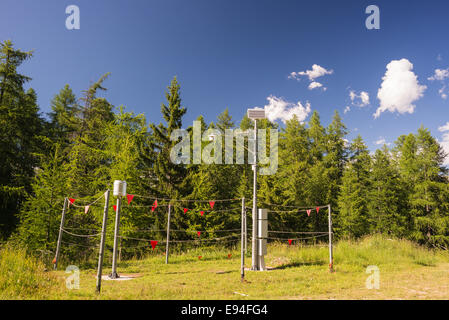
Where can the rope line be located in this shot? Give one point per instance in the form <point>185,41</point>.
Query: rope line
<point>80,245</point>
<point>81,235</point>
<point>299,232</point>
<point>87,205</point>
<point>171,230</point>
<point>284,239</point>
<point>192,240</point>
<point>184,200</point>
<point>296,207</point>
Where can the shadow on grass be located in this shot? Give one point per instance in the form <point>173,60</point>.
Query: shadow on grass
<point>298,264</point>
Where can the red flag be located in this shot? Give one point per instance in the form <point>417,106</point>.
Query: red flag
<point>153,244</point>
<point>202,212</point>
<point>130,198</point>
<point>54,261</point>
<point>199,257</point>
<point>71,200</point>
<point>290,242</point>
<point>86,209</point>
<point>308,212</point>
<point>229,256</point>
<point>155,204</point>
<point>199,233</point>
<point>185,210</point>
<point>317,209</point>
<point>153,208</point>
<point>115,207</point>
<point>212,203</point>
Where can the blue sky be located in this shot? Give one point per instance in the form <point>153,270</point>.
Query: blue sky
<point>236,54</point>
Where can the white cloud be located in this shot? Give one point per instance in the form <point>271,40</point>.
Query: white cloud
<point>314,85</point>
<point>440,74</point>
<point>444,127</point>
<point>382,141</point>
<point>399,89</point>
<point>316,72</point>
<point>347,109</point>
<point>278,108</point>
<point>445,143</point>
<point>363,97</point>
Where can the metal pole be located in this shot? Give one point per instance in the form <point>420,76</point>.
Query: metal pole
<point>242,245</point>
<point>331,257</point>
<point>58,246</point>
<point>255,262</point>
<point>245,226</point>
<point>168,234</point>
<point>102,241</point>
<point>114,274</point>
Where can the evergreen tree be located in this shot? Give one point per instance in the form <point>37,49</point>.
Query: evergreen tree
<point>20,135</point>
<point>353,218</point>
<point>170,176</point>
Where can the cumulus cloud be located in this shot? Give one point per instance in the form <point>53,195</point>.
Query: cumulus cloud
<point>278,108</point>
<point>441,75</point>
<point>399,89</point>
<point>314,85</point>
<point>360,100</point>
<point>347,109</point>
<point>316,72</point>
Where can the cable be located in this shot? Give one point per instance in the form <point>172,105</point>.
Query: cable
<point>81,235</point>
<point>87,205</point>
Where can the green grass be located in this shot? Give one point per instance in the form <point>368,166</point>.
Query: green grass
<point>407,271</point>
<point>23,276</point>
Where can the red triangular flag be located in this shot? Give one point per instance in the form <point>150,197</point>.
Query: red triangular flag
<point>199,257</point>
<point>115,207</point>
<point>308,212</point>
<point>153,208</point>
<point>153,244</point>
<point>199,233</point>
<point>155,204</point>
<point>290,242</point>
<point>212,203</point>
<point>86,209</point>
<point>130,198</point>
<point>54,261</point>
<point>317,209</point>
<point>202,212</point>
<point>71,201</point>
<point>185,210</point>
<point>229,256</point>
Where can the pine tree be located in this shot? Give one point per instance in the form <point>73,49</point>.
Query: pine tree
<point>21,128</point>
<point>387,198</point>
<point>170,175</point>
<point>353,218</point>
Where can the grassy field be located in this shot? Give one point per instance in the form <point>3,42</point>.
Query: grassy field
<point>406,272</point>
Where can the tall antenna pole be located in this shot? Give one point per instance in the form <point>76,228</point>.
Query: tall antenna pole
<point>255,261</point>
